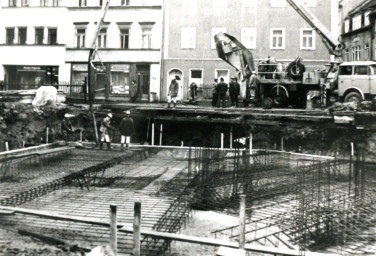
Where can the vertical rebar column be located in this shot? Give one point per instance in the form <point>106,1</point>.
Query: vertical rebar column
<point>113,229</point>
<point>242,222</point>
<point>136,229</point>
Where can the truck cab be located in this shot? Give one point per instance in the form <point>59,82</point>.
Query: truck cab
<point>357,81</point>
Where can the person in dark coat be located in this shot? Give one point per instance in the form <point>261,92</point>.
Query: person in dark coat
<point>133,91</point>
<point>193,90</point>
<point>222,90</point>
<point>66,128</point>
<point>215,94</point>
<point>126,130</point>
<point>234,91</point>
<point>173,91</point>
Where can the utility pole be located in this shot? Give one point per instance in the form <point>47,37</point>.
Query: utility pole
<point>91,70</point>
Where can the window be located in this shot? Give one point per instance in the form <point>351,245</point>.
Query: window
<point>9,35</point>
<point>357,22</point>
<point>366,18</point>
<point>277,36</point>
<point>356,53</point>
<point>188,38</point>
<point>124,38</point>
<point>39,34</point>
<point>196,76</point>
<point>124,2</point>
<point>102,38</point>
<point>213,33</point>
<point>219,3</point>
<point>146,38</point>
<point>222,73</point>
<point>55,2</point>
<point>366,52</point>
<point>43,2</point>
<point>345,70</point>
<point>249,3</point>
<point>347,55</point>
<point>22,33</point>
<point>248,37</point>
<point>361,70</point>
<point>80,37</point>
<point>278,3</point>
<point>24,2</point>
<point>307,39</point>
<point>82,3</point>
<point>52,36</point>
<point>347,25</point>
<point>12,3</point>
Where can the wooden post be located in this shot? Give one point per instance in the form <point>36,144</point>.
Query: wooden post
<point>47,135</point>
<point>160,135</point>
<point>113,229</point>
<point>242,222</point>
<point>250,143</point>
<point>222,137</point>
<point>6,146</point>
<point>136,229</point>
<point>231,137</point>
<point>282,141</point>
<point>352,148</point>
<point>152,134</point>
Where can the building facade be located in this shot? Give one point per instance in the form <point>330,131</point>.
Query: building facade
<point>48,42</point>
<point>266,27</point>
<point>358,32</point>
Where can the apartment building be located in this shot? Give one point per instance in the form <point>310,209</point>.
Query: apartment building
<point>358,32</point>
<point>48,42</point>
<point>266,27</point>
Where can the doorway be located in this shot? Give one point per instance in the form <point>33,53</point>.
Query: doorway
<point>171,75</point>
<point>143,75</point>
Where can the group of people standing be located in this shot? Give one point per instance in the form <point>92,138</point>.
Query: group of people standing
<point>220,91</point>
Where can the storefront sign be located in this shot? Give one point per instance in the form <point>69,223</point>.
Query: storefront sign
<point>27,68</point>
<point>79,67</point>
<point>120,67</point>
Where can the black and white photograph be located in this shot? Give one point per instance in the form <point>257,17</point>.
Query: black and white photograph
<point>187,127</point>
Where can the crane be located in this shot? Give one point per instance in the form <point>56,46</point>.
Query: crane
<point>91,68</point>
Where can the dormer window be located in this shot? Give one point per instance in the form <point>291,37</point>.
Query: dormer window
<point>357,22</point>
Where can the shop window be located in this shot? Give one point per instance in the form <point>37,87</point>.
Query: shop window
<point>39,35</point>
<point>307,39</point>
<point>188,38</point>
<point>82,3</point>
<point>277,36</point>
<point>12,3</point>
<point>9,35</point>
<point>52,36</point>
<point>80,37</point>
<point>213,33</point>
<point>25,3</point>
<point>120,79</point>
<point>22,33</point>
<point>124,38</point>
<point>43,2</point>
<point>102,38</point>
<point>248,37</point>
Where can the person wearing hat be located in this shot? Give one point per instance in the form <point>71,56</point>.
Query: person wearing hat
<point>173,91</point>
<point>104,130</point>
<point>126,130</point>
<point>66,128</point>
<point>234,91</point>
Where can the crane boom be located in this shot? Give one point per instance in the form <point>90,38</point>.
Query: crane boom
<point>334,46</point>
<point>99,23</point>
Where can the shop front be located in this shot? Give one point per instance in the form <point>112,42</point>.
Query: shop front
<point>30,77</point>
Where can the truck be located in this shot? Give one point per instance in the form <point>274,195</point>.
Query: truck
<point>284,84</point>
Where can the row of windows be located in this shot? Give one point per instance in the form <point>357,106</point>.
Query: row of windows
<point>358,52</point>
<point>248,38</point>
<point>357,22</point>
<point>19,35</point>
<point>247,3</point>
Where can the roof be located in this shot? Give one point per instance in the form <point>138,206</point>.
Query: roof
<point>367,4</point>
<point>358,63</point>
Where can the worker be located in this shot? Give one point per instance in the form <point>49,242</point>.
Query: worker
<point>66,128</point>
<point>126,130</point>
<point>256,86</point>
<point>105,131</point>
<point>193,91</point>
<point>173,91</point>
<point>234,91</point>
<point>214,92</point>
<point>222,90</point>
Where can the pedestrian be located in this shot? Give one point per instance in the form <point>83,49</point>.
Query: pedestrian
<point>173,91</point>
<point>222,90</point>
<point>105,131</point>
<point>126,130</point>
<point>133,91</point>
<point>234,91</point>
<point>66,128</point>
<point>215,94</point>
<point>193,90</point>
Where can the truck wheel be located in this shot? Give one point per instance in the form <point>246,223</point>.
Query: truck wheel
<point>279,98</point>
<point>353,97</point>
<point>295,70</point>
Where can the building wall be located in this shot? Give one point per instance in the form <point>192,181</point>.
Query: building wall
<point>203,16</point>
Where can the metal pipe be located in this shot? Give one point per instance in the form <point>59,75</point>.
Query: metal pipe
<point>113,229</point>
